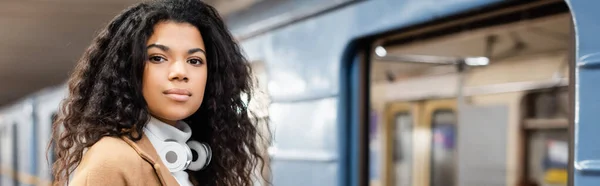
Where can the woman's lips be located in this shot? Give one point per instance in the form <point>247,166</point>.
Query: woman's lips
<point>177,94</point>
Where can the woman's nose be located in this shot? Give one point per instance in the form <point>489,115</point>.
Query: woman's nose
<point>178,71</point>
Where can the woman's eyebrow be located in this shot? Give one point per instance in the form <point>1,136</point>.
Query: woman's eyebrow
<point>166,48</point>
<point>159,46</point>
<point>194,50</point>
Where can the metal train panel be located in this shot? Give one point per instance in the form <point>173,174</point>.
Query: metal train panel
<point>304,173</point>
<point>587,101</point>
<point>303,59</point>
<point>305,125</point>
<point>47,104</point>
<point>304,132</point>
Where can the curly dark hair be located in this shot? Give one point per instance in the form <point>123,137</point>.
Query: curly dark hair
<point>105,97</point>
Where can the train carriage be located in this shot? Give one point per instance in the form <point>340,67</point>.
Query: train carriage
<point>400,92</point>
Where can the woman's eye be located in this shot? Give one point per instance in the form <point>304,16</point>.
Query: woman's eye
<point>195,61</point>
<point>157,59</point>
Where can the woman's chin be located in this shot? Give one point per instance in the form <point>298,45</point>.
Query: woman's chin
<point>174,114</point>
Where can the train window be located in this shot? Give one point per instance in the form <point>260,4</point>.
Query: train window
<point>443,154</point>
<point>375,145</point>
<point>52,155</point>
<point>547,137</point>
<point>391,145</point>
<point>15,151</point>
<point>548,157</point>
<point>402,149</point>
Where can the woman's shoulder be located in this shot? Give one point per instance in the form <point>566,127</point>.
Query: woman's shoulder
<point>107,162</point>
<point>111,151</point>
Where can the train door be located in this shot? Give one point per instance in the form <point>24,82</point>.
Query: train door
<point>587,102</point>
<point>420,143</point>
<point>398,144</point>
<point>441,117</point>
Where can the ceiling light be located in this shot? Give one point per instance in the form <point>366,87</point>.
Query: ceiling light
<point>477,61</point>
<point>380,51</point>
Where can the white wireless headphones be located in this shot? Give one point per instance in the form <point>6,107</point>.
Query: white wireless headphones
<point>175,154</point>
<point>179,157</point>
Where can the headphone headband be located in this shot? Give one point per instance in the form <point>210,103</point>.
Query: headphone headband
<point>177,154</point>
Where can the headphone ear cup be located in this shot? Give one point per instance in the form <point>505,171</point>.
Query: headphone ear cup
<point>175,156</point>
<point>204,155</point>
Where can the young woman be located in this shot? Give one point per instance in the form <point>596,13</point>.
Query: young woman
<point>156,100</point>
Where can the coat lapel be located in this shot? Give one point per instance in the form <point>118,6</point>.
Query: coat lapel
<point>145,149</point>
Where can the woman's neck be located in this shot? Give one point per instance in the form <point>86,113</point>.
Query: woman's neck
<point>170,122</point>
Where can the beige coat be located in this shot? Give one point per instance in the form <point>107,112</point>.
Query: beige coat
<point>120,161</point>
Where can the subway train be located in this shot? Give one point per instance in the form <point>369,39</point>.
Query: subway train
<point>399,93</point>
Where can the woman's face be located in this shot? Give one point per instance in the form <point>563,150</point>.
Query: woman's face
<point>176,71</point>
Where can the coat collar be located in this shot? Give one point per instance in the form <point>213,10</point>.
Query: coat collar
<point>145,150</point>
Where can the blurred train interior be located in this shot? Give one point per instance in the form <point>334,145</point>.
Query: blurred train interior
<point>482,100</point>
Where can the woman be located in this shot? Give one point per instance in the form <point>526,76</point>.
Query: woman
<point>156,100</point>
